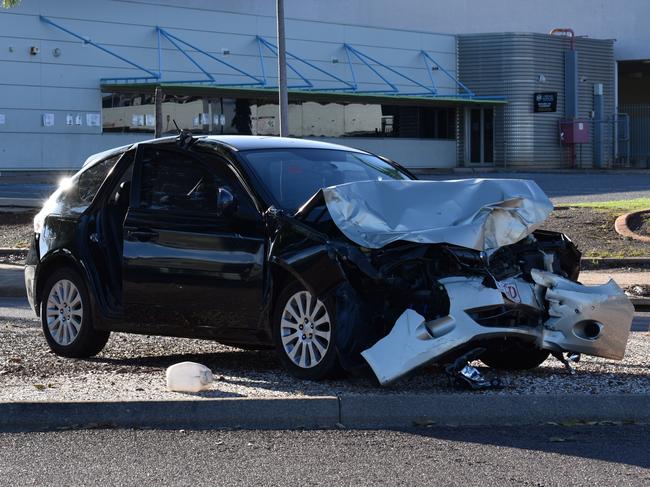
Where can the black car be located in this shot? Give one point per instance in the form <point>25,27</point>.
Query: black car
<point>229,238</point>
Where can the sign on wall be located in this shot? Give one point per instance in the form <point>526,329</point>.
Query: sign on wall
<point>545,102</point>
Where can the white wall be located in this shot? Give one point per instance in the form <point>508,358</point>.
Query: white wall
<point>623,20</point>
<point>69,83</point>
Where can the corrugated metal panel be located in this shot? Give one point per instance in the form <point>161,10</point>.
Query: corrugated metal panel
<point>511,64</point>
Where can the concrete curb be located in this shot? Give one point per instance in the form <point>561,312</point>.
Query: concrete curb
<point>308,412</point>
<point>21,202</point>
<point>594,263</point>
<point>356,412</point>
<point>12,281</point>
<point>640,304</point>
<point>486,410</point>
<point>622,226</point>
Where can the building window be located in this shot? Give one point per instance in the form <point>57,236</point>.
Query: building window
<point>228,115</point>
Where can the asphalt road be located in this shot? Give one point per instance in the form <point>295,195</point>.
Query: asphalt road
<point>575,187</point>
<point>542,455</point>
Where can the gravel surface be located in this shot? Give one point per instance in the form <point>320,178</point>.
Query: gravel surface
<point>132,367</point>
<point>16,229</point>
<point>593,232</point>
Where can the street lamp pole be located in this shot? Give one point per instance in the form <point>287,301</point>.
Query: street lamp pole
<point>282,72</point>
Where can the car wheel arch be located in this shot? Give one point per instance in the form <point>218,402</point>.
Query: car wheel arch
<point>58,260</point>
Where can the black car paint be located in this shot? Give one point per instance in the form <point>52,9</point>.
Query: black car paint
<point>184,300</point>
<point>173,271</point>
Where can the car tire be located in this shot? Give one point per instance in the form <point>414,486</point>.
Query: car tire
<point>67,317</point>
<point>304,333</point>
<point>515,355</point>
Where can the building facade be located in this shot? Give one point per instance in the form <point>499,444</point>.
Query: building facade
<point>415,82</point>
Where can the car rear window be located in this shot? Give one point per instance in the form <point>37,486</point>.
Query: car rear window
<point>80,191</point>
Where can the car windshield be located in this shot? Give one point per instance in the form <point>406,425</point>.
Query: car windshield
<point>292,176</point>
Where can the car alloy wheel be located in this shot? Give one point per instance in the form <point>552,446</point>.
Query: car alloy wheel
<point>305,330</point>
<point>64,312</point>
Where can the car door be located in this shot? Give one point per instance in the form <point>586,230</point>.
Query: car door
<point>193,248</point>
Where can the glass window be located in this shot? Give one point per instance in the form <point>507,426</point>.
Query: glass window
<point>91,179</point>
<point>219,115</point>
<point>78,192</point>
<point>173,181</point>
<point>292,176</point>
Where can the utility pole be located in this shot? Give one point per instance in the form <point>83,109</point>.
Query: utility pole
<point>282,72</point>
<point>158,98</point>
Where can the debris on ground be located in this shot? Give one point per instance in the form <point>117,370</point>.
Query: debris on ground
<point>188,377</point>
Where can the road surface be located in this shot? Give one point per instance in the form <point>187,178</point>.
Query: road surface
<point>543,455</point>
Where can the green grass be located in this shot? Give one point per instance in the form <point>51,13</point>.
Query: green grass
<point>618,206</point>
<point>599,254</point>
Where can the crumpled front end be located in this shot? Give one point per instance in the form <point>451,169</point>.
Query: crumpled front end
<point>595,320</point>
<point>423,272</point>
<point>551,312</point>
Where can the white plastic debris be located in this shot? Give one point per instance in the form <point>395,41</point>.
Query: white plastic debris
<point>188,377</point>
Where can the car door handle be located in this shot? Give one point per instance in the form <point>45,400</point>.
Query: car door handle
<point>143,235</point>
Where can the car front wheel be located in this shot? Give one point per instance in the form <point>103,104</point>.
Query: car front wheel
<point>304,330</point>
<point>66,317</point>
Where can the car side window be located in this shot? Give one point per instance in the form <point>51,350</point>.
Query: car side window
<point>171,180</point>
<point>83,187</point>
<point>91,179</point>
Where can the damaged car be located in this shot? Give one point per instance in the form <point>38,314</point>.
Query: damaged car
<point>337,258</point>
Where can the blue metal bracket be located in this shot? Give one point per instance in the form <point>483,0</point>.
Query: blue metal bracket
<point>86,40</point>
<point>177,42</point>
<point>308,84</point>
<point>366,60</point>
<point>264,43</point>
<point>427,58</point>
<point>371,63</point>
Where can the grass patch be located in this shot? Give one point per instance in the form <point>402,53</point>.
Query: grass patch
<point>617,206</point>
<point>612,254</point>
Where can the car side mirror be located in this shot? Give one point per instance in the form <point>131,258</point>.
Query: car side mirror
<point>226,202</point>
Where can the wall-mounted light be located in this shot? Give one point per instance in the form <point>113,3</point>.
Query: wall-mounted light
<point>335,60</point>
<point>56,52</point>
<point>33,50</point>
<point>225,51</point>
<point>541,78</point>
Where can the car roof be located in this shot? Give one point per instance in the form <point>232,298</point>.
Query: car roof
<point>234,142</point>
<point>104,155</point>
<point>251,142</point>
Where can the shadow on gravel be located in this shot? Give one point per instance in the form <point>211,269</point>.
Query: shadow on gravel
<point>255,361</point>
<point>611,442</point>
<point>211,394</point>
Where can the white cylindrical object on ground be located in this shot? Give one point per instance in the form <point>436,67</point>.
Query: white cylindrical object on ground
<point>188,377</point>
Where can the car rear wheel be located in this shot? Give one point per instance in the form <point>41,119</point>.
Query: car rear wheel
<point>515,355</point>
<point>304,332</point>
<point>66,317</point>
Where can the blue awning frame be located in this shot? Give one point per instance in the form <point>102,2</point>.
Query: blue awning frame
<point>261,81</point>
